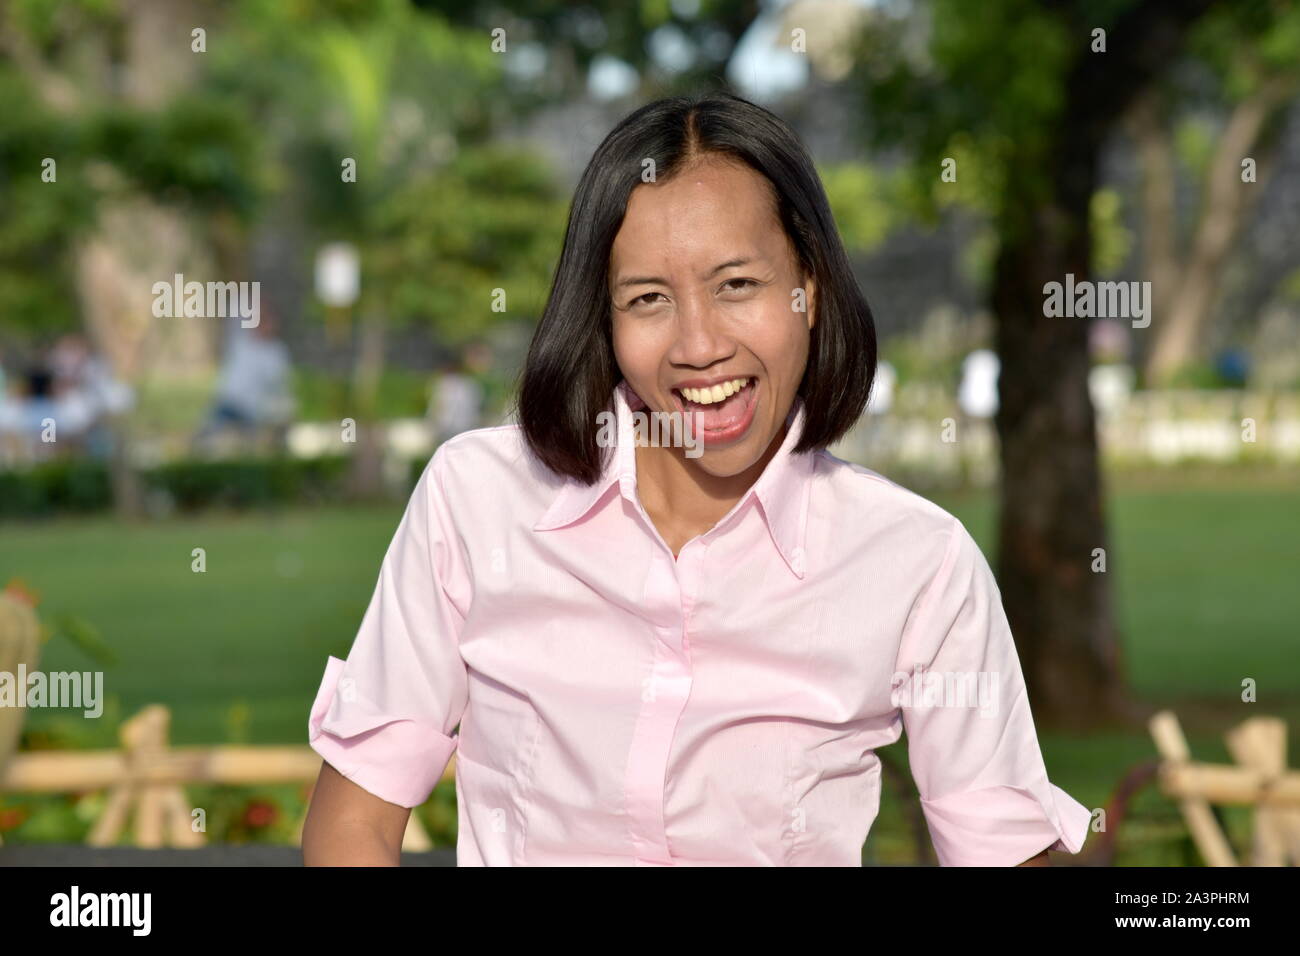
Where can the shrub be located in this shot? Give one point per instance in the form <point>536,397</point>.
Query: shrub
<point>83,485</point>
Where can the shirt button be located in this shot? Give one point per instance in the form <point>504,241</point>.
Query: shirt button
<point>797,560</point>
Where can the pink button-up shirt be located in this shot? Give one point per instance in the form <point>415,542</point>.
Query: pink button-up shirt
<point>617,706</point>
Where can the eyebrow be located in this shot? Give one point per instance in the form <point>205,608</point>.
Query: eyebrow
<point>653,280</point>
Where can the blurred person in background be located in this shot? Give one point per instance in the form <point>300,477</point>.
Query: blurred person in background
<point>254,394</point>
<point>455,399</point>
<point>978,393</point>
<point>481,360</point>
<point>7,405</point>
<point>31,413</point>
<point>87,394</point>
<point>1233,367</point>
<point>62,405</point>
<point>882,391</point>
<point>1111,377</point>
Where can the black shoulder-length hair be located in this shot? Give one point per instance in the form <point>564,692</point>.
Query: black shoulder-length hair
<point>570,373</point>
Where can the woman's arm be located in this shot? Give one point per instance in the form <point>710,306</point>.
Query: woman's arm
<point>349,826</point>
<point>977,763</point>
<point>384,719</point>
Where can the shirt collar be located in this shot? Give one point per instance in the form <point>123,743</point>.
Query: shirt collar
<point>781,490</point>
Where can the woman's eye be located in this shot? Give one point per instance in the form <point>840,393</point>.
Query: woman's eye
<point>738,285</point>
<point>647,299</point>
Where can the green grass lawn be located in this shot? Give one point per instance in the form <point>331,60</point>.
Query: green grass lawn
<point>1208,585</point>
<point>237,651</point>
<point>1206,589</point>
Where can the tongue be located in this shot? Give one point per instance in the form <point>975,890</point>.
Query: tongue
<point>719,414</point>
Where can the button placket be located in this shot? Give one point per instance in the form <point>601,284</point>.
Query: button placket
<point>663,697</point>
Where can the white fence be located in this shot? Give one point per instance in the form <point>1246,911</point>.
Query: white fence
<point>927,432</point>
<point>1165,428</point>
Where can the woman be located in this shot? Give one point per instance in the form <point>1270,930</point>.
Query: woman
<point>685,648</point>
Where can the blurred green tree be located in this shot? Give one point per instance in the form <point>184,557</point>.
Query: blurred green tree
<point>139,168</point>
<point>1024,95</point>
<point>258,123</point>
<point>382,117</point>
<point>1251,53</point>
<point>38,219</point>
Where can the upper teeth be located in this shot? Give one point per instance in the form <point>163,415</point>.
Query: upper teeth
<point>715,393</point>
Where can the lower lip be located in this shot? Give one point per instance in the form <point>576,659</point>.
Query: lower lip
<point>716,438</point>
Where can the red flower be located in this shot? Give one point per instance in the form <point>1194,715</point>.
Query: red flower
<point>260,813</point>
<point>18,590</point>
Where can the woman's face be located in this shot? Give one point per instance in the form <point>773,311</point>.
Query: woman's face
<point>706,317</point>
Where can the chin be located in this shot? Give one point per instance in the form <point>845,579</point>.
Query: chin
<point>728,462</point>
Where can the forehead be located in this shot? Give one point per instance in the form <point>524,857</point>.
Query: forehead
<point>707,205</point>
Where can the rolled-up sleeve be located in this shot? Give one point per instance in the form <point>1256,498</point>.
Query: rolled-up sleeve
<point>971,743</point>
<point>384,718</point>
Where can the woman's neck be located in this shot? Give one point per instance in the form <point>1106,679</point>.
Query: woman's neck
<point>682,499</point>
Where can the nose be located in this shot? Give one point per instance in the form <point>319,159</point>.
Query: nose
<point>701,338</point>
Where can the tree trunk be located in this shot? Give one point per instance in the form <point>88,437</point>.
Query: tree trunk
<point>1051,521</point>
<point>1051,518</point>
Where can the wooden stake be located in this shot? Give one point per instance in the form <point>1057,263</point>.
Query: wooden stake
<point>1206,832</point>
<point>1260,744</point>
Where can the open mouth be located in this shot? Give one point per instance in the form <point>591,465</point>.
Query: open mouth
<point>723,411</point>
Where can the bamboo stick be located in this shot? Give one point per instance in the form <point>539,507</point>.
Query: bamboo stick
<point>1231,786</point>
<point>108,827</point>
<point>99,769</point>
<point>1260,744</point>
<point>1205,829</point>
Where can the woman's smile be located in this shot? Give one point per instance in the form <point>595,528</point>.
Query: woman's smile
<point>720,411</point>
